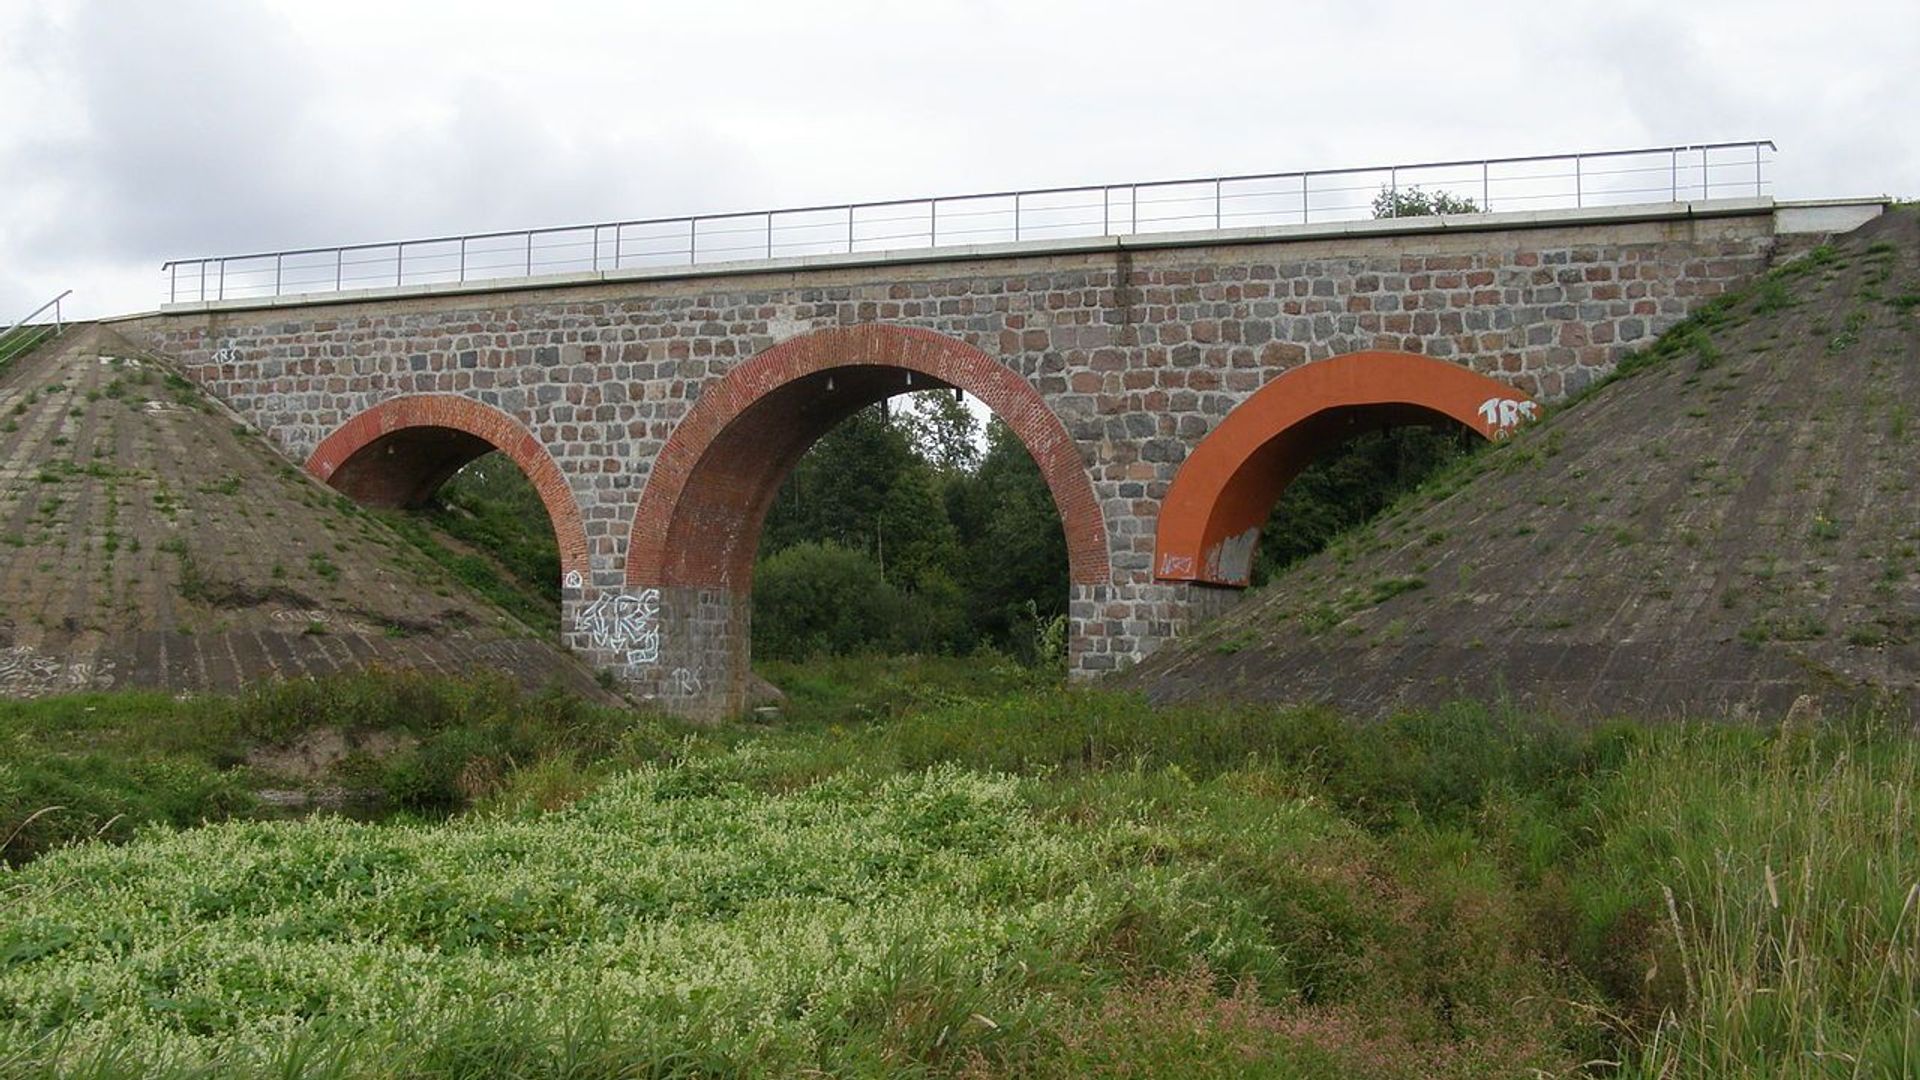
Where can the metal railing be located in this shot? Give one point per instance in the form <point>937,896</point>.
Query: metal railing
<point>1600,178</point>
<point>25,334</point>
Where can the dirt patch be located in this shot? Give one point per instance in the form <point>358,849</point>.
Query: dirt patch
<point>312,756</point>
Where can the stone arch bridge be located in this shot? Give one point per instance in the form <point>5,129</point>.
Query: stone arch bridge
<point>1168,386</point>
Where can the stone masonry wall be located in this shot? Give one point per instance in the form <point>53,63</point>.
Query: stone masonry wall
<point>1140,352</point>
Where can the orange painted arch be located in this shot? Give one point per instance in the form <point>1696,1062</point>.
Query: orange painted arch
<point>1211,517</point>
<point>399,452</point>
<point>698,521</point>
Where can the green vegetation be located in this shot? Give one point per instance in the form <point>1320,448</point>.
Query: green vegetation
<point>1694,334</point>
<point>492,506</point>
<point>106,764</point>
<point>922,541</point>
<point>1413,202</point>
<point>956,868</point>
<point>497,570</point>
<point>1350,485</point>
<point>21,340</point>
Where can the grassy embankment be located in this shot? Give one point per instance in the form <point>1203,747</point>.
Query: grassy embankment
<point>956,868</point>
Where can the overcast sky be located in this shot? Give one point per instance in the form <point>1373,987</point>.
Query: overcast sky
<point>135,131</point>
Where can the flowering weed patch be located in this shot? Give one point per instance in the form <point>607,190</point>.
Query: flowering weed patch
<point>854,922</point>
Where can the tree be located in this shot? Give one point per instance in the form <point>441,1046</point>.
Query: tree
<point>814,598</point>
<point>1412,202</point>
<point>1016,549</point>
<point>909,538</point>
<point>1347,485</point>
<point>943,431</point>
<point>838,490</point>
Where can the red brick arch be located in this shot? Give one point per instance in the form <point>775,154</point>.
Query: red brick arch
<point>1211,517</point>
<point>698,522</point>
<point>399,452</point>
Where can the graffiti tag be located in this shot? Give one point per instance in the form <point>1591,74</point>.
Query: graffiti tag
<point>1505,414</point>
<point>685,683</point>
<point>626,623</point>
<point>226,354</point>
<point>25,672</point>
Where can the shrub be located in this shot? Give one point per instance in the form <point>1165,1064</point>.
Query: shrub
<point>813,599</point>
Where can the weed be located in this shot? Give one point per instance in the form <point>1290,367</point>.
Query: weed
<point>1387,588</point>
<point>322,566</point>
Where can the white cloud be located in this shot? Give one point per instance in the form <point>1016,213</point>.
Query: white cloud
<point>132,133</point>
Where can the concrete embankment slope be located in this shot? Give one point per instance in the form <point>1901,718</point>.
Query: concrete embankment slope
<point>1719,532</point>
<point>148,540</point>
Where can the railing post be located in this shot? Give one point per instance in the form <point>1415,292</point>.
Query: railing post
<point>1216,204</point>
<point>276,277</point>
<point>463,258</point>
<point>1016,217</point>
<point>769,234</point>
<point>693,241</point>
<point>223,279</point>
<point>529,253</point>
<point>1756,170</point>
<point>1673,177</point>
<point>1393,188</point>
<point>59,322</point>
<point>1133,209</point>
<point>203,281</point>
<point>1106,211</point>
<point>1704,192</point>
<point>1486,192</point>
<point>1579,194</point>
<point>849,229</point>
<point>399,264</point>
<point>933,222</point>
<point>619,232</point>
<point>1303,198</point>
<point>173,283</point>
<point>596,249</point>
<point>337,253</point>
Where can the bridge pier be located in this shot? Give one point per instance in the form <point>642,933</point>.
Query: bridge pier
<point>684,648</point>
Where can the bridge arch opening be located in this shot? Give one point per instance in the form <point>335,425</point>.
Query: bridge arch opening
<point>697,529</point>
<point>400,452</point>
<point>1214,512</point>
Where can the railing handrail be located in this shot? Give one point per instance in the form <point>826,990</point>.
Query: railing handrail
<point>691,222</point>
<point>13,343</point>
<point>31,315</point>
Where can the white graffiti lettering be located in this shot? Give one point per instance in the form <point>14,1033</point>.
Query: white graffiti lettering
<point>226,354</point>
<point>1176,566</point>
<point>627,623</point>
<point>1505,414</point>
<point>685,683</point>
<point>27,673</point>
<point>572,580</point>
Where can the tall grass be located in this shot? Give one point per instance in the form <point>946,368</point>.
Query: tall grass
<point>952,868</point>
<point>103,764</point>
<point>1787,878</point>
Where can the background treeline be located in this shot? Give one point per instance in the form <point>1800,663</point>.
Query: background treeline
<point>901,532</point>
